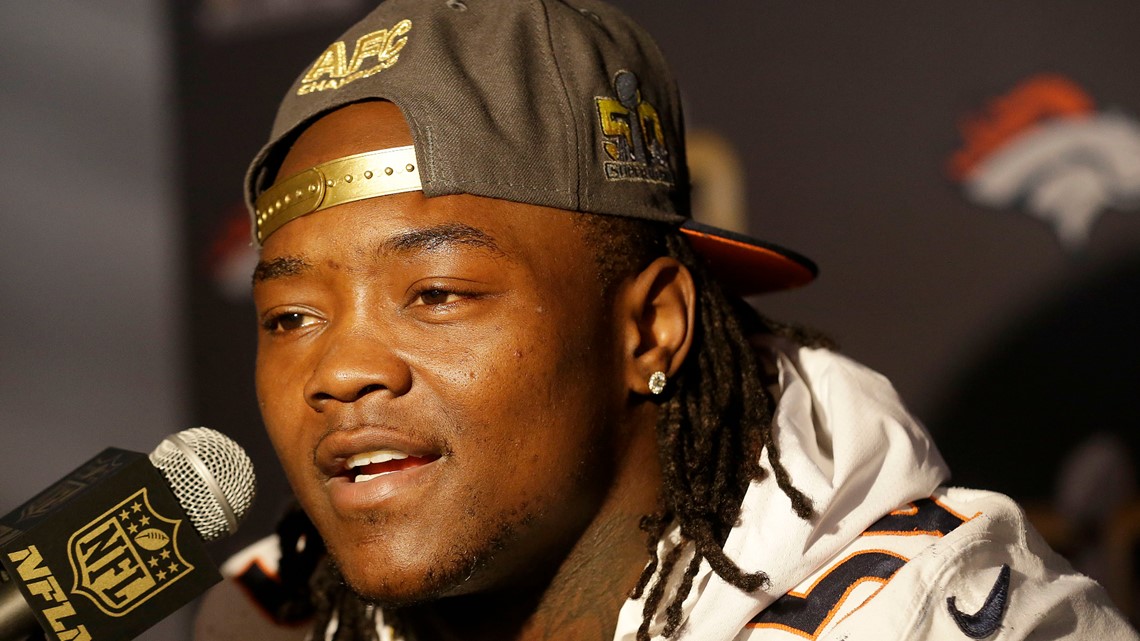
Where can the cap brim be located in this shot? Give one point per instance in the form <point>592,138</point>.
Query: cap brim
<point>746,266</point>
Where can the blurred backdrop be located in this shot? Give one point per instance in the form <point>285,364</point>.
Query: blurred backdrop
<point>967,176</point>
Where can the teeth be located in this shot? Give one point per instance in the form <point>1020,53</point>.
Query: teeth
<point>378,456</point>
<point>360,478</point>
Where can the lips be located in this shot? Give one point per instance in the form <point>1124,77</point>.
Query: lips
<point>366,466</point>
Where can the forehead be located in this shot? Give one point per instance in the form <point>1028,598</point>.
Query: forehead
<point>410,222</point>
<point>401,226</point>
<point>353,129</point>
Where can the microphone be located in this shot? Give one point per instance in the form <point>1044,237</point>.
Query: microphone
<point>118,544</point>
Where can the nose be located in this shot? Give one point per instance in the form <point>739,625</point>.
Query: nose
<point>355,365</point>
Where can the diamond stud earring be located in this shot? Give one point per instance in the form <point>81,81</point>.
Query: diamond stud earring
<point>657,382</point>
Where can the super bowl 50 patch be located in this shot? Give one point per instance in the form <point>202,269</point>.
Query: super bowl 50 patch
<point>634,140</point>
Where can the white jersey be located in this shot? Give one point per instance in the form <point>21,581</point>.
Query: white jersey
<point>889,554</point>
<point>962,564</point>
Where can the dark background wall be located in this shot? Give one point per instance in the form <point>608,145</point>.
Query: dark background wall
<point>91,342</point>
<point>131,318</point>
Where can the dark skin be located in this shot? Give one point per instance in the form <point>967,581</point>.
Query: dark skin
<point>472,335</point>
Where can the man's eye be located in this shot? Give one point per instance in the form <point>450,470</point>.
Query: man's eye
<point>438,297</point>
<point>288,321</point>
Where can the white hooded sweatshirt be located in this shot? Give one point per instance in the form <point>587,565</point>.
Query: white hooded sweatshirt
<point>889,554</point>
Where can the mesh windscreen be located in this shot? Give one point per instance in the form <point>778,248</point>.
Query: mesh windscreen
<point>227,464</point>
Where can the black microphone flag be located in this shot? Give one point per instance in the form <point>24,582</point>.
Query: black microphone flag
<point>106,552</point>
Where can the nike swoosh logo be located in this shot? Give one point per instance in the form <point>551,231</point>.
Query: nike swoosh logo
<point>987,620</point>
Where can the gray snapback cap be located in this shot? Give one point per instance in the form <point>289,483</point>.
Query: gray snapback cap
<point>561,104</point>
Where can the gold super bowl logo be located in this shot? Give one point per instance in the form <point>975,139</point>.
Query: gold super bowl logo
<point>334,69</point>
<point>126,556</point>
<point>634,139</point>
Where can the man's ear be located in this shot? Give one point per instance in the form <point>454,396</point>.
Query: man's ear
<point>656,313</point>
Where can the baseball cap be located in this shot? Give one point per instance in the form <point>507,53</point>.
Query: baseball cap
<point>565,104</point>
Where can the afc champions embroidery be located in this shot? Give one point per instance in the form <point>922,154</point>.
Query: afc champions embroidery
<point>374,52</point>
<point>634,139</point>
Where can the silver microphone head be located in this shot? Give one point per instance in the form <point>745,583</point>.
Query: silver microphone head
<point>211,476</point>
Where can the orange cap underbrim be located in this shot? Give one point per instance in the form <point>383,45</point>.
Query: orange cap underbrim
<point>746,266</point>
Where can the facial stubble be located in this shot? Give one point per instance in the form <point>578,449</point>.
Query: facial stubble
<point>464,559</point>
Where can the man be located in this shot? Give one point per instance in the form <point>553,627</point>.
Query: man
<point>517,394</point>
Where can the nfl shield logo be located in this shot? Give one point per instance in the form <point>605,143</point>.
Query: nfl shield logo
<point>126,556</point>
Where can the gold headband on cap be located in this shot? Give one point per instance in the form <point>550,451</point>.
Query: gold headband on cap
<point>332,183</point>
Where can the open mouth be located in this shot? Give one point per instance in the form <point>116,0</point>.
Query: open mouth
<point>366,466</point>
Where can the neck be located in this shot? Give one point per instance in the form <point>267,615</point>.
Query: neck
<point>580,597</point>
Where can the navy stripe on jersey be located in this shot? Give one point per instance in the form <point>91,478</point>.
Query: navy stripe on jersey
<point>925,516</point>
<point>807,614</point>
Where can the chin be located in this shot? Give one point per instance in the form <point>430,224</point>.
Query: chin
<point>378,573</point>
<point>400,588</point>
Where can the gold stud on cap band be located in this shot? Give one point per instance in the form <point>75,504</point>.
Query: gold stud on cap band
<point>332,183</point>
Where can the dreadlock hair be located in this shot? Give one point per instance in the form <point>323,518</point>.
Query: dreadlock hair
<point>714,424</point>
<point>311,587</point>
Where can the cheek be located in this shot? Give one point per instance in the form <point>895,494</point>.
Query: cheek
<point>539,399</point>
<point>283,410</point>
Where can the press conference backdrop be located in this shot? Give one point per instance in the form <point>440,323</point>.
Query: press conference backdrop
<point>92,333</point>
<point>966,174</point>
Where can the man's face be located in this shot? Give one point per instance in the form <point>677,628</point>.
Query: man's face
<point>458,352</point>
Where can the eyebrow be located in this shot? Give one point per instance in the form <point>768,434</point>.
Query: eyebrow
<point>440,236</point>
<point>280,268</point>
<point>424,239</point>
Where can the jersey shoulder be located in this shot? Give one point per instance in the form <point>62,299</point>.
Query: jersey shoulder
<point>243,605</point>
<point>960,564</point>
